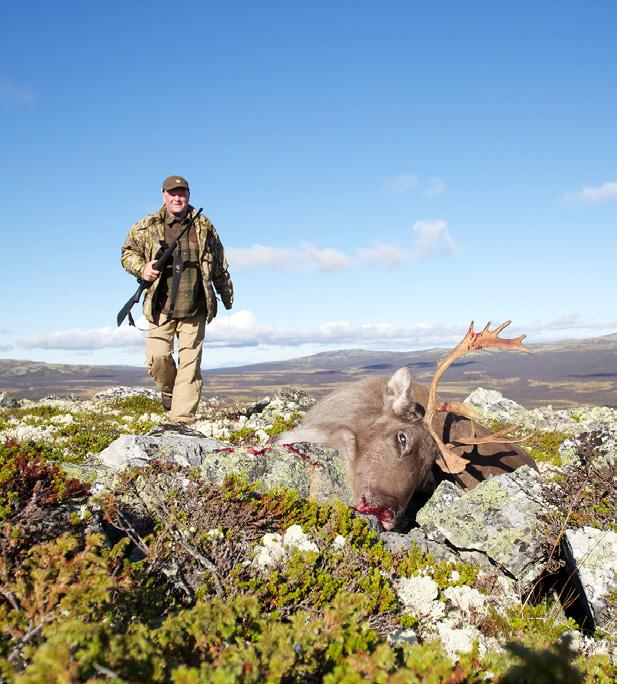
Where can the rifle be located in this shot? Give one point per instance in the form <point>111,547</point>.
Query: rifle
<point>158,266</point>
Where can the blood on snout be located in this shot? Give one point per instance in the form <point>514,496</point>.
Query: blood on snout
<point>384,513</point>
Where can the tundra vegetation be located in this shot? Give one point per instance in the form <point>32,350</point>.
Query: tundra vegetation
<point>165,577</point>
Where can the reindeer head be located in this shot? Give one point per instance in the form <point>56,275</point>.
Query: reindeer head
<point>377,426</point>
<point>383,427</point>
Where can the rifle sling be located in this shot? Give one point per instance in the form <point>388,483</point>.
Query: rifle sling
<point>175,280</point>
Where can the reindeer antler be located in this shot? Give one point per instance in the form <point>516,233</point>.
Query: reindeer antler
<point>448,461</point>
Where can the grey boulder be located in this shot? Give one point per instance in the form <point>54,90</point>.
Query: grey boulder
<point>501,518</point>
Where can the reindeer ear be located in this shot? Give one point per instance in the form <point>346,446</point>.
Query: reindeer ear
<point>303,434</point>
<point>399,396</point>
<point>341,439</point>
<point>347,444</point>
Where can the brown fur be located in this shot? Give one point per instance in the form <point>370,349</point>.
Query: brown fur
<point>376,425</point>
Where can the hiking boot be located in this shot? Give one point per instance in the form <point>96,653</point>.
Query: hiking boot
<point>166,401</point>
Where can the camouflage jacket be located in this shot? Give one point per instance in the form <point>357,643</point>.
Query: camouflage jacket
<point>143,242</point>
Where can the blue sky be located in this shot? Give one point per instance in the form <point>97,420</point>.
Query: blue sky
<point>381,173</point>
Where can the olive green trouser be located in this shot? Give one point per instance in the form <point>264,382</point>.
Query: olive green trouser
<point>184,381</point>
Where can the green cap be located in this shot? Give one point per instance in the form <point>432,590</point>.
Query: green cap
<point>172,182</point>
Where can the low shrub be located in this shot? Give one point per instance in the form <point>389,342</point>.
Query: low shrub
<point>26,480</point>
<point>281,424</point>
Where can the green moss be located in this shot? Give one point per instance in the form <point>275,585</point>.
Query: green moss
<point>90,431</point>
<point>281,424</point>
<point>331,519</point>
<point>138,405</point>
<point>41,411</point>
<point>237,488</point>
<point>407,621</point>
<point>242,436</point>
<point>417,561</point>
<point>544,446</point>
<point>84,437</point>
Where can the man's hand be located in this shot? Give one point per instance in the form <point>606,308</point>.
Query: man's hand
<point>149,274</point>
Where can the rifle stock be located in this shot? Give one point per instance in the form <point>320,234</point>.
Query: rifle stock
<point>159,264</point>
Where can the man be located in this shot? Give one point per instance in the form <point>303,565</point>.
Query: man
<point>181,299</point>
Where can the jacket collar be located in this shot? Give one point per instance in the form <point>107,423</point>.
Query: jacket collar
<point>168,218</point>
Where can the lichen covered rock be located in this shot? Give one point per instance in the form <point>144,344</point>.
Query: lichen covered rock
<point>595,553</point>
<point>184,448</point>
<point>494,406</point>
<point>7,400</point>
<point>501,518</point>
<point>317,473</point>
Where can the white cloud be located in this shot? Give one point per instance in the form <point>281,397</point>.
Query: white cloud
<point>435,186</point>
<point>402,183</point>
<point>570,326</point>
<point>407,182</point>
<point>241,329</point>
<point>595,195</point>
<point>431,237</point>
<point>11,93</point>
<point>563,322</point>
<point>324,259</point>
<point>384,254</point>
<point>90,338</point>
<point>5,347</point>
<point>260,256</point>
<point>305,257</point>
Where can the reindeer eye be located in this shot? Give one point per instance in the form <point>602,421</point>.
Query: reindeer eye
<point>402,439</point>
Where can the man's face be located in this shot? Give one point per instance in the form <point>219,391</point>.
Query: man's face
<point>176,200</point>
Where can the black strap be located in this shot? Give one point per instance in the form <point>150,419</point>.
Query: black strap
<point>175,280</point>
<point>132,323</point>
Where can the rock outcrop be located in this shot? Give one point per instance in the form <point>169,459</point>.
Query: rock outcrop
<point>502,519</point>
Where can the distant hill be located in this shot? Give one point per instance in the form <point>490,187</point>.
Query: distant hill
<point>568,373</point>
<point>34,380</point>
